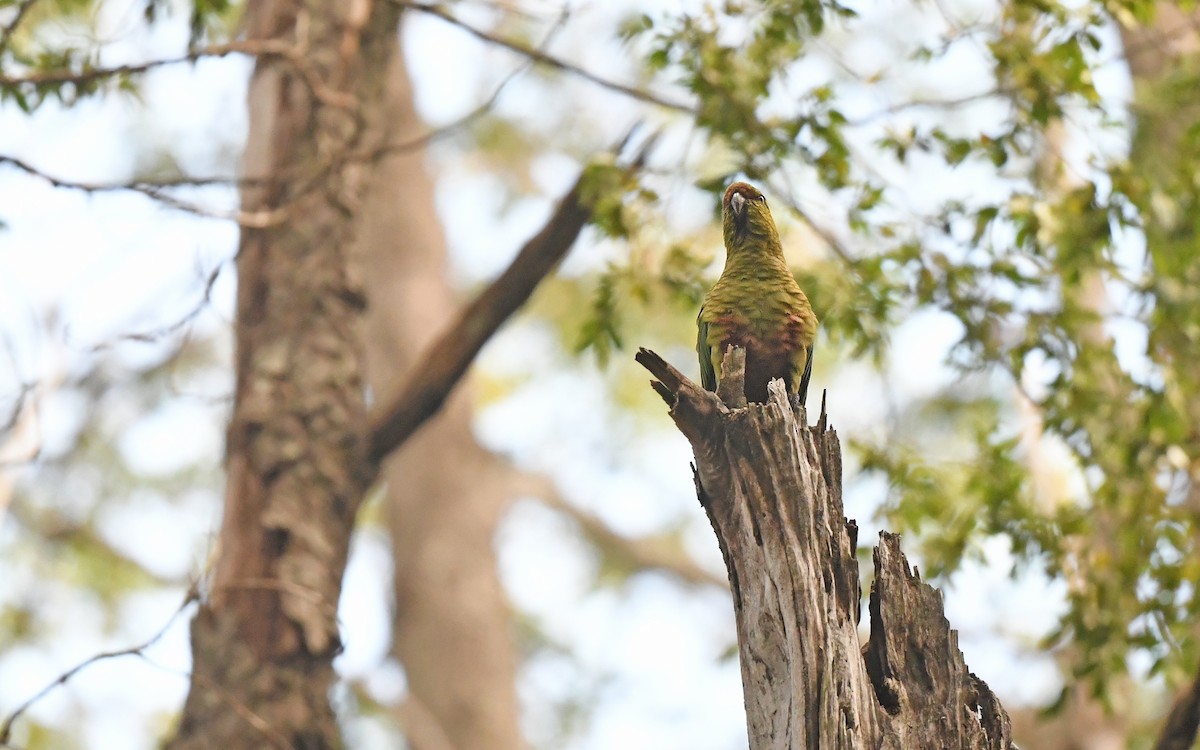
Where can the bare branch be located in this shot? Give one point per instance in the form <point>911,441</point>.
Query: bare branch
<point>450,356</point>
<point>483,108</point>
<point>447,359</point>
<point>158,191</point>
<point>6,726</point>
<point>158,333</point>
<point>297,56</point>
<point>147,187</point>
<point>275,738</point>
<point>660,553</point>
<point>256,48</point>
<point>926,103</point>
<point>546,59</point>
<point>694,410</point>
<point>835,244</point>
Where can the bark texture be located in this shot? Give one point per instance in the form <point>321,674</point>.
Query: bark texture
<point>266,633</point>
<point>452,626</point>
<point>771,487</point>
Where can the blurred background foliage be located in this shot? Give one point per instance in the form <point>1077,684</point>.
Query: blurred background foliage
<point>992,208</point>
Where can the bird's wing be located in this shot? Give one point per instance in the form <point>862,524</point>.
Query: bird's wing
<point>808,352</point>
<point>708,376</point>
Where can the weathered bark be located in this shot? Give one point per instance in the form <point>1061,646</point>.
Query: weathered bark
<point>266,633</point>
<point>771,487</point>
<point>452,627</point>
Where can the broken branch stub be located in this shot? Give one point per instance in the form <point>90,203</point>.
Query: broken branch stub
<point>772,489</point>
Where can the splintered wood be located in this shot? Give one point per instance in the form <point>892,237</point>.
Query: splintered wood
<point>772,488</point>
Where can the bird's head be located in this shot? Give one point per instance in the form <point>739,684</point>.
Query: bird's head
<point>744,215</point>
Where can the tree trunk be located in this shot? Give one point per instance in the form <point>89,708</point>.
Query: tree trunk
<point>1164,61</point>
<point>771,487</point>
<point>452,628</point>
<point>266,633</point>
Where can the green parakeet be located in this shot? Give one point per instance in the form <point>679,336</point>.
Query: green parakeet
<point>756,304</point>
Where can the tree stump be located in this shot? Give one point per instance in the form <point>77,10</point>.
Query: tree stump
<point>772,489</point>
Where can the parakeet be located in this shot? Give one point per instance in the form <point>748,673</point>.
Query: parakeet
<point>756,304</point>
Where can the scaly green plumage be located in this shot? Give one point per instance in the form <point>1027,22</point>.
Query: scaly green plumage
<point>756,304</point>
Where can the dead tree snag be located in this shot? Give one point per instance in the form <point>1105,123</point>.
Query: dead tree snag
<point>772,489</point>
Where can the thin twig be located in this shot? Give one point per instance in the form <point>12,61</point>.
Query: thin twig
<point>7,725</point>
<point>649,552</point>
<point>256,48</point>
<point>159,333</point>
<point>155,188</point>
<point>835,244</point>
<point>157,191</point>
<point>483,108</point>
<point>546,59</point>
<point>641,553</point>
<point>932,103</point>
<point>146,187</point>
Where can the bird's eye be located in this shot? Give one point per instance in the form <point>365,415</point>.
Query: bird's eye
<point>762,198</point>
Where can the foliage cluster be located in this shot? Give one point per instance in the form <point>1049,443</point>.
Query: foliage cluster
<point>1069,259</point>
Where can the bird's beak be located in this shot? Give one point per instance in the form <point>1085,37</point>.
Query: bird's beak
<point>737,204</point>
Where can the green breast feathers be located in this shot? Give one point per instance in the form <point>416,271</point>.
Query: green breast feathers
<point>756,304</point>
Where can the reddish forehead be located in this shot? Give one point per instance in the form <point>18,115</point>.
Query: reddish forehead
<point>745,189</point>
